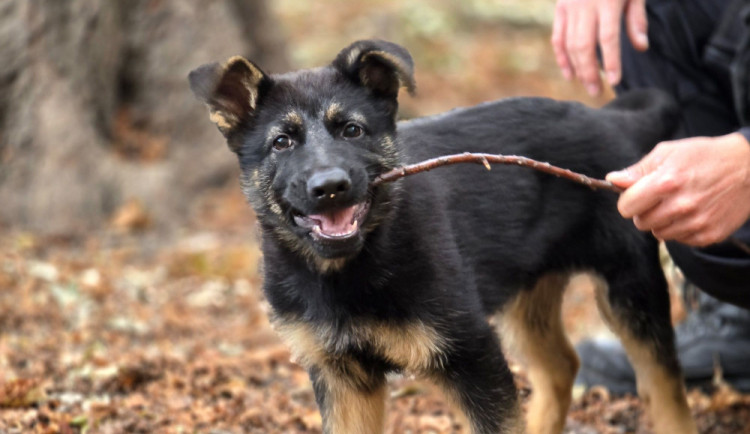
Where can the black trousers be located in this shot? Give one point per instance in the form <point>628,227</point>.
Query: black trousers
<point>682,59</point>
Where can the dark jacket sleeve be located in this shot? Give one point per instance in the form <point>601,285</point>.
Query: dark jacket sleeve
<point>740,67</point>
<point>723,270</point>
<point>745,131</point>
<point>728,52</point>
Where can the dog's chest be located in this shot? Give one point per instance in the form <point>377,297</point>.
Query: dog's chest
<point>409,345</point>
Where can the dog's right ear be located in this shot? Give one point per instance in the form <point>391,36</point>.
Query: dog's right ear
<point>231,91</point>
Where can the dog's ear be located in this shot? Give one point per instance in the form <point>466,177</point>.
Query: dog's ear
<point>381,66</point>
<point>231,91</point>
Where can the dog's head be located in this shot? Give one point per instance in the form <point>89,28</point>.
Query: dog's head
<point>310,142</point>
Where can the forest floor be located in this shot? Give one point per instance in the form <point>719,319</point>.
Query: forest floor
<point>130,330</point>
<point>124,333</point>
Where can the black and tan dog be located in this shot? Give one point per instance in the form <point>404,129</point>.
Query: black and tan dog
<point>403,277</point>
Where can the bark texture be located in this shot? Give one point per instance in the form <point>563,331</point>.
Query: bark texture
<point>95,109</point>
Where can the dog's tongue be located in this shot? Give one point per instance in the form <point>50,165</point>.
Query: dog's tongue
<point>337,222</point>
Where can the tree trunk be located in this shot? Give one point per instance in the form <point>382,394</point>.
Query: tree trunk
<point>95,108</point>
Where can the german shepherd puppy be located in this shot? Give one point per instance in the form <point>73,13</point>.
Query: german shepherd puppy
<point>403,277</point>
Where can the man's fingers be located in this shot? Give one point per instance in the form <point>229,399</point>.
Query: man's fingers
<point>639,198</point>
<point>672,232</point>
<point>558,41</point>
<point>625,178</point>
<point>702,239</point>
<point>637,24</point>
<point>652,219</point>
<point>685,233</point>
<point>581,38</point>
<point>621,178</point>
<point>609,43</point>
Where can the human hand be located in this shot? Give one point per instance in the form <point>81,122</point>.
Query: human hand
<point>580,24</point>
<point>695,191</point>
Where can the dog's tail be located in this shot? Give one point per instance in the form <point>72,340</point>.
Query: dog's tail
<point>651,115</point>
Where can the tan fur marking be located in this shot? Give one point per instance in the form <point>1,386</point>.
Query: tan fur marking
<point>326,266</point>
<point>294,118</point>
<point>352,411</point>
<point>387,144</point>
<point>275,208</point>
<point>531,326</point>
<point>414,347</point>
<point>661,390</point>
<point>302,341</point>
<point>389,156</point>
<point>221,121</point>
<point>332,111</point>
<point>255,177</point>
<point>359,117</point>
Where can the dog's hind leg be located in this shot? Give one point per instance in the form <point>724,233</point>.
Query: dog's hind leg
<point>531,327</point>
<point>639,316</point>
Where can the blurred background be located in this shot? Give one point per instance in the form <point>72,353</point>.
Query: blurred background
<point>129,290</point>
<point>97,119</point>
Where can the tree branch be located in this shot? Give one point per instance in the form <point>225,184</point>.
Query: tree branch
<point>486,159</point>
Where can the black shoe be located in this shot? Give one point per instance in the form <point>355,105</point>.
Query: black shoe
<point>716,333</point>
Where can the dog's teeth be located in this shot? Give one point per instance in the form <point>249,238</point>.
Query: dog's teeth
<point>345,232</point>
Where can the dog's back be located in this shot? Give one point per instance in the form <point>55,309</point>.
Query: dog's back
<point>514,224</point>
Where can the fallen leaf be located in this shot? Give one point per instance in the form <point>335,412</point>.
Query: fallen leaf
<point>21,393</point>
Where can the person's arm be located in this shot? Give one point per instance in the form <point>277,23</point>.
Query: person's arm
<point>579,25</point>
<point>695,191</point>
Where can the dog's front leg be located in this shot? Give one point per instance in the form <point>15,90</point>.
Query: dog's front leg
<point>476,377</point>
<point>351,401</point>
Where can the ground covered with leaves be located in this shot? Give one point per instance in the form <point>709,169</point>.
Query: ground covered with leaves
<point>139,333</point>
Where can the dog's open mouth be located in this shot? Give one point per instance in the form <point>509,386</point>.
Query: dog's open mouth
<point>338,224</point>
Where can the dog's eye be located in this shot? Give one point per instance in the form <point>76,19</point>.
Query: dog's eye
<point>352,131</point>
<point>282,142</point>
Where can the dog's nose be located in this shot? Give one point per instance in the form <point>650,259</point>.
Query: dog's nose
<point>328,183</point>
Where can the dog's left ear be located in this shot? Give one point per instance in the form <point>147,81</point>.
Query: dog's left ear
<point>231,91</point>
<point>381,66</point>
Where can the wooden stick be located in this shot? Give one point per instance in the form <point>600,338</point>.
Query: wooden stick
<point>486,159</point>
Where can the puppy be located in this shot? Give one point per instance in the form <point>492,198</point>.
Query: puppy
<point>403,277</point>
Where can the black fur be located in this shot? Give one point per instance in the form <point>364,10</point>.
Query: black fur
<point>442,249</point>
